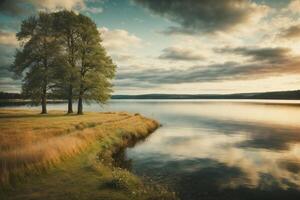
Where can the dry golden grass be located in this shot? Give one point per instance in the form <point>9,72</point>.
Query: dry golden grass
<point>29,141</point>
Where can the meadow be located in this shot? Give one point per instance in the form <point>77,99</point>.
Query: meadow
<point>59,156</point>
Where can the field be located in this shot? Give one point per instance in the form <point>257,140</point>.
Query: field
<point>60,156</point>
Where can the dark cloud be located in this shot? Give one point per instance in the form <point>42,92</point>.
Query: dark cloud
<point>10,85</point>
<point>290,164</point>
<point>291,32</point>
<point>274,55</point>
<point>4,73</point>
<point>132,84</point>
<point>178,30</point>
<point>6,55</point>
<point>213,73</point>
<point>7,83</point>
<point>13,7</point>
<point>173,53</point>
<point>204,15</point>
<point>21,7</point>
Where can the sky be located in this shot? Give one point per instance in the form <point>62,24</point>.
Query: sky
<point>176,46</point>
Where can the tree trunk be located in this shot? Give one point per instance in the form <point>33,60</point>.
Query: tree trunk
<point>44,102</point>
<point>80,108</point>
<point>70,100</point>
<point>44,88</point>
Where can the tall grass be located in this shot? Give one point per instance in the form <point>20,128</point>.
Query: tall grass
<point>32,142</point>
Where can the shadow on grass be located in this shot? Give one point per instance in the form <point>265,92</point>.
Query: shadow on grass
<point>7,115</point>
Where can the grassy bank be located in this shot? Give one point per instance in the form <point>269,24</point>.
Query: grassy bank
<point>62,156</point>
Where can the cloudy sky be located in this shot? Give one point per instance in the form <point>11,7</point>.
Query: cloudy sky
<point>176,46</point>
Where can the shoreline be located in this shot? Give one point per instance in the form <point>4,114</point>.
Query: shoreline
<point>91,167</point>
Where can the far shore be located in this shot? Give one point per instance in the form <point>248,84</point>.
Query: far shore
<point>22,102</point>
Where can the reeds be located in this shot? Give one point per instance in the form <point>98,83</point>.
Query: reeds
<point>32,142</point>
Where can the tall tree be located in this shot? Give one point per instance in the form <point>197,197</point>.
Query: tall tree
<point>96,69</point>
<point>66,26</point>
<point>37,58</point>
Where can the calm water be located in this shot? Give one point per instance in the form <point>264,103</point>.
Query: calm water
<point>219,149</point>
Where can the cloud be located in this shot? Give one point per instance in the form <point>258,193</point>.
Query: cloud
<point>206,15</point>
<point>122,57</point>
<point>58,4</point>
<point>6,55</point>
<point>229,71</point>
<point>12,7</point>
<point>275,55</point>
<point>8,38</point>
<point>118,39</point>
<point>177,53</point>
<point>18,7</point>
<point>94,10</point>
<point>294,6</point>
<point>290,33</point>
<point>7,83</point>
<point>10,85</point>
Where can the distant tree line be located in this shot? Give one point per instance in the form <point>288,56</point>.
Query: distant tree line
<point>61,54</point>
<point>6,95</point>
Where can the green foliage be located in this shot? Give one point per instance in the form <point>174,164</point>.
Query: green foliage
<point>62,53</point>
<point>38,57</point>
<point>66,29</point>
<point>96,68</point>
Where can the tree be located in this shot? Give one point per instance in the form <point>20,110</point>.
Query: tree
<point>66,27</point>
<point>96,69</point>
<point>62,54</point>
<point>38,57</point>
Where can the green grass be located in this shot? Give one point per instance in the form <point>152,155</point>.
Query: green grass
<point>76,158</point>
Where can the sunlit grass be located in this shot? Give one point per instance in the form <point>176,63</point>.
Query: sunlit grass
<point>29,140</point>
<point>31,143</point>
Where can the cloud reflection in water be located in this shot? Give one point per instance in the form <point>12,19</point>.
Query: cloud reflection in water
<point>202,148</point>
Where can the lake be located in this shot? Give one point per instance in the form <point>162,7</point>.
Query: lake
<point>214,149</point>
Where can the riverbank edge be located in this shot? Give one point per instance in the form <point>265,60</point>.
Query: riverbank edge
<point>102,152</point>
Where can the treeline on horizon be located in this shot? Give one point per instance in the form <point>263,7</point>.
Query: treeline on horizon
<point>21,96</point>
<point>285,95</point>
<point>61,56</point>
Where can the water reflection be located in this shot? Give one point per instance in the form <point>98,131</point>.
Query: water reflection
<point>218,150</point>
<point>207,154</point>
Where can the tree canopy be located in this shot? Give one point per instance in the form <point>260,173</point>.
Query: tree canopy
<point>66,25</point>
<point>39,56</point>
<point>61,54</point>
<point>95,68</point>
